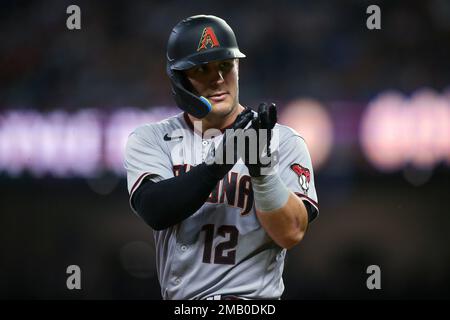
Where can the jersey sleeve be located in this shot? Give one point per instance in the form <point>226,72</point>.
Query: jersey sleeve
<point>297,172</point>
<point>145,158</point>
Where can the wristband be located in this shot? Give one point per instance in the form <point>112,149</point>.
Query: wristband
<point>269,192</point>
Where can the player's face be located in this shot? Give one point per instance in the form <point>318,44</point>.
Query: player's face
<point>218,82</point>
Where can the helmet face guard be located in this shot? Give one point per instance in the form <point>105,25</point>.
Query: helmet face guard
<point>194,41</point>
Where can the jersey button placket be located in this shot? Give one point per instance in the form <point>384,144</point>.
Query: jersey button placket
<point>205,144</point>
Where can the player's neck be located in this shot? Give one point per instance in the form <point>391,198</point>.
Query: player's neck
<point>218,122</point>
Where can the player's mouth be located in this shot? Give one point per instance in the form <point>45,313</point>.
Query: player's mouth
<point>219,96</point>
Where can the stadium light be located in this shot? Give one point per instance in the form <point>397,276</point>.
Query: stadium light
<point>311,120</point>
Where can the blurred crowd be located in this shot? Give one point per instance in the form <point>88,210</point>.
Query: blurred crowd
<point>321,49</point>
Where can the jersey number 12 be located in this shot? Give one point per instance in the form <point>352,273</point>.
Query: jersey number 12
<point>220,257</point>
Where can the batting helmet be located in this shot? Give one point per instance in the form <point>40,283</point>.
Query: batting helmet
<point>194,41</point>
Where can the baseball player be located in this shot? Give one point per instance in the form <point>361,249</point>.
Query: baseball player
<point>223,216</point>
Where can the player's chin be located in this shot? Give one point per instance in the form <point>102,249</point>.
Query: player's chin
<point>223,106</point>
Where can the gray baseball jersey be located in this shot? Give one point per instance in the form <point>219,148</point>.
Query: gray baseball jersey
<point>221,249</point>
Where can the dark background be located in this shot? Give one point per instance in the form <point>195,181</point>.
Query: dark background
<point>314,49</point>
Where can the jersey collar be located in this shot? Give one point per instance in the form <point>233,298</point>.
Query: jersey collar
<point>191,125</point>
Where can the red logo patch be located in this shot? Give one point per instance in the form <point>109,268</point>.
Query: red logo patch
<point>304,176</point>
<point>208,38</point>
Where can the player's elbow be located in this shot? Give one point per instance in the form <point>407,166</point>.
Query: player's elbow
<point>149,210</point>
<point>156,217</point>
<point>295,233</point>
<point>291,239</point>
<point>155,206</point>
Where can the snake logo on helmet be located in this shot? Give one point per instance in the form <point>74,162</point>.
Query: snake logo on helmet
<point>194,41</point>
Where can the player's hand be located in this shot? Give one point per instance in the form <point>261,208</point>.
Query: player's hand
<point>263,124</point>
<point>217,159</point>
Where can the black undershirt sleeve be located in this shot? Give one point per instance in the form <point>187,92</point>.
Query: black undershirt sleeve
<point>312,212</point>
<point>168,202</point>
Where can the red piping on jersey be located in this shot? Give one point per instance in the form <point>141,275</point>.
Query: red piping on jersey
<point>138,181</point>
<point>302,196</point>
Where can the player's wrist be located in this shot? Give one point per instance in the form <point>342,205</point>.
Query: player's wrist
<point>270,192</point>
<point>261,169</point>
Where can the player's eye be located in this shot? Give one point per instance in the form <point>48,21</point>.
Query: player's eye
<point>201,69</point>
<point>226,66</point>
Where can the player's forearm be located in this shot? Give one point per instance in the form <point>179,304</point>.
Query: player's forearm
<point>286,225</point>
<point>169,202</point>
<point>280,212</point>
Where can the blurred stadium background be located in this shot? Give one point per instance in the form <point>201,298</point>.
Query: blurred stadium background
<point>374,107</point>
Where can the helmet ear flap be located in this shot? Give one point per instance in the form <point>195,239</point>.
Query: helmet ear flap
<point>181,78</point>
<point>182,91</point>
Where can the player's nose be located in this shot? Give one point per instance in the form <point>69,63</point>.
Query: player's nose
<point>217,75</point>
